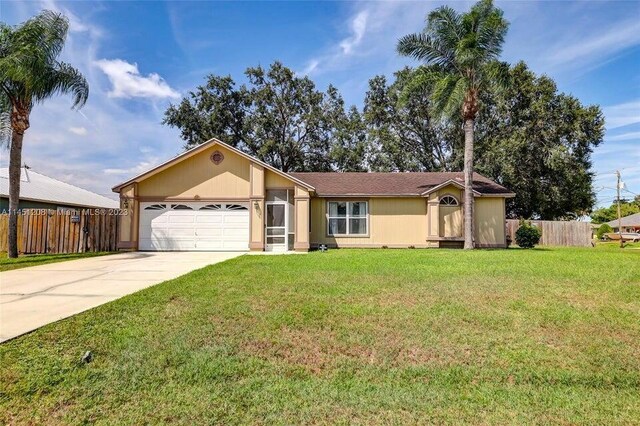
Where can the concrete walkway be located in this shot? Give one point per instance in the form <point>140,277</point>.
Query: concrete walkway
<point>39,295</point>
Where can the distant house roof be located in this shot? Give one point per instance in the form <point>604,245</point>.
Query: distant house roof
<point>395,184</point>
<point>37,187</point>
<point>631,220</point>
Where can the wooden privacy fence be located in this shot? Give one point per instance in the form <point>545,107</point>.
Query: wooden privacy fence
<point>557,232</point>
<point>51,231</point>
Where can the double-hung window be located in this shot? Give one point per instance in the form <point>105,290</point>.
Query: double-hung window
<point>348,218</point>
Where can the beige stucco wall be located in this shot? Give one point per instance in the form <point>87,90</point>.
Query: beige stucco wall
<point>450,221</point>
<point>394,222</point>
<point>489,215</point>
<point>256,176</point>
<point>403,222</point>
<point>273,180</point>
<point>197,176</point>
<point>451,218</point>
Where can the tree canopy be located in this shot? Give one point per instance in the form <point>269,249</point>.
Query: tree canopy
<point>538,143</point>
<point>530,137</point>
<point>276,116</point>
<point>607,214</point>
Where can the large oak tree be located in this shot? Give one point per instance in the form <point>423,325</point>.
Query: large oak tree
<point>276,116</point>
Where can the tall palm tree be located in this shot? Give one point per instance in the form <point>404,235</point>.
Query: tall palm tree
<point>30,73</point>
<point>460,52</point>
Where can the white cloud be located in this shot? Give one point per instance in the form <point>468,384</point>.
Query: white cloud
<point>80,131</point>
<point>311,66</point>
<point>605,42</point>
<point>622,114</point>
<point>373,31</point>
<point>135,170</point>
<point>358,27</point>
<point>625,137</point>
<point>129,83</point>
<point>126,136</point>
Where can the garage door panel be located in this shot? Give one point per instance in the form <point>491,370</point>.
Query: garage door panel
<point>155,219</point>
<point>166,244</point>
<point>182,219</point>
<point>194,228</point>
<point>232,232</point>
<point>181,233</point>
<point>237,228</point>
<point>209,232</point>
<point>236,218</point>
<point>209,216</point>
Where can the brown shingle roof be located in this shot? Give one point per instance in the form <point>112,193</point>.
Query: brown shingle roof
<point>631,220</point>
<point>387,184</point>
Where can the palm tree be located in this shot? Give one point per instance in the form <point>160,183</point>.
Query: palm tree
<point>30,73</point>
<point>460,52</point>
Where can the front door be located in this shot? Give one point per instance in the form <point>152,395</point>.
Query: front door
<point>276,227</point>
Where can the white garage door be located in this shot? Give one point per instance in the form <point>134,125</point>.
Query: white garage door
<point>194,226</point>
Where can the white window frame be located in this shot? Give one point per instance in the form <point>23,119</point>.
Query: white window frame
<point>455,201</point>
<point>347,217</point>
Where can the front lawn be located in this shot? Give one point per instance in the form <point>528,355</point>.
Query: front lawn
<point>7,264</point>
<point>541,336</point>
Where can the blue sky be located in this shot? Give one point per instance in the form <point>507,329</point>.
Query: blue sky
<point>140,56</point>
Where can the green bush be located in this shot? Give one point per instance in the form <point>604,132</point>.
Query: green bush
<point>603,229</point>
<point>527,235</point>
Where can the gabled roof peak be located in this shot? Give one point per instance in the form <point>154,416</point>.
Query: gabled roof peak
<point>199,148</point>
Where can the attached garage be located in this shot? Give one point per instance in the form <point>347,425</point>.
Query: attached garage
<point>213,198</point>
<point>193,226</point>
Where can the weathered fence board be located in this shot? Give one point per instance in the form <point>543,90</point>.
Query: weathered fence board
<point>557,233</point>
<point>51,231</point>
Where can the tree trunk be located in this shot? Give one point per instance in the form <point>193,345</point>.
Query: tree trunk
<point>15,159</point>
<point>19,123</point>
<point>468,184</point>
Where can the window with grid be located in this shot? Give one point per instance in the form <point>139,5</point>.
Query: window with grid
<point>348,218</point>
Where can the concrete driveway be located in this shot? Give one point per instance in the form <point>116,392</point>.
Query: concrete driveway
<point>36,296</point>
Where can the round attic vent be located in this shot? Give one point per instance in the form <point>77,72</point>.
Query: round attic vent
<point>217,157</point>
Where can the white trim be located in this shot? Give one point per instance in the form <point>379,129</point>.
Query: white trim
<point>446,183</point>
<point>456,203</point>
<point>284,246</point>
<point>347,217</point>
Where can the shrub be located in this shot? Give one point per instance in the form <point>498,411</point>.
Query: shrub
<point>527,235</point>
<point>603,229</point>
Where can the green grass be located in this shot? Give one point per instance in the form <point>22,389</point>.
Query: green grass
<point>24,261</point>
<point>541,336</point>
<point>616,245</point>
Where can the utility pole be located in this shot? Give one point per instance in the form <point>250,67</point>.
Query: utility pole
<point>619,215</point>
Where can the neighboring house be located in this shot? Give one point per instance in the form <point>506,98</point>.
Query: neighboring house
<point>215,197</point>
<point>630,223</point>
<point>42,192</point>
